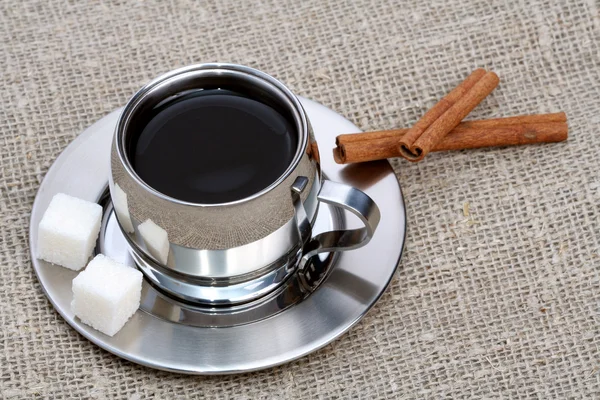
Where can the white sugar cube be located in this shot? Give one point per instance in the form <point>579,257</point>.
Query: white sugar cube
<point>106,294</point>
<point>156,240</point>
<point>68,231</point>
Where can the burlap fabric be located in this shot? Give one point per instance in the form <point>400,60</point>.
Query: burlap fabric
<point>498,293</point>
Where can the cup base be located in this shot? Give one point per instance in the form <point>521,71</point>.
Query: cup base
<point>216,293</point>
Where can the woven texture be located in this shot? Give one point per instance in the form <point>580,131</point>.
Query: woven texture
<point>498,293</point>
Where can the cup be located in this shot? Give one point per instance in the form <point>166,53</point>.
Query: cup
<point>260,239</point>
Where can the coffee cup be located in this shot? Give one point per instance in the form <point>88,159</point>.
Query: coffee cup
<point>216,182</point>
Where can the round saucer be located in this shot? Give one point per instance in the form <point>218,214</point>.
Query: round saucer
<point>354,284</point>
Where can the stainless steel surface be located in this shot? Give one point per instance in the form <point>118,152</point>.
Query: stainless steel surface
<point>248,287</point>
<point>215,240</point>
<point>352,200</point>
<point>251,240</point>
<point>165,336</point>
<point>204,293</point>
<point>112,243</point>
<point>228,292</point>
<point>245,288</point>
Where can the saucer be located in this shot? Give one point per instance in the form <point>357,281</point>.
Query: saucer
<point>168,335</point>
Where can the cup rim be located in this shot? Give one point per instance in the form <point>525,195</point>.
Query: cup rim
<point>299,114</point>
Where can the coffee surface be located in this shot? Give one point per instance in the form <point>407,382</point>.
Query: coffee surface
<point>213,146</point>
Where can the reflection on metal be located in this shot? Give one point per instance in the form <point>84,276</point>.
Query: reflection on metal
<point>156,240</point>
<point>181,299</point>
<point>122,209</point>
<point>221,292</point>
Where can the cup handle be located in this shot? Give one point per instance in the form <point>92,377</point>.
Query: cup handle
<point>338,195</point>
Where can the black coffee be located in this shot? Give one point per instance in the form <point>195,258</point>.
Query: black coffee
<point>213,146</point>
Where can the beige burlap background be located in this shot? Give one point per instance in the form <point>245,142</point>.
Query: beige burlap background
<point>502,301</point>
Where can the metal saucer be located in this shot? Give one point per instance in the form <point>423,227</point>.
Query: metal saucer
<point>173,336</point>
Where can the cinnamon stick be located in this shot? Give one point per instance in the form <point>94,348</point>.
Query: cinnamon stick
<point>446,115</point>
<point>525,129</point>
<point>417,130</point>
<point>482,123</point>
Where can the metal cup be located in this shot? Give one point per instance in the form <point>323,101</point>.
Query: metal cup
<point>237,251</point>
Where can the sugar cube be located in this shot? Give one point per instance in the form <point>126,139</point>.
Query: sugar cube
<point>106,294</point>
<point>156,240</point>
<point>68,231</point>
